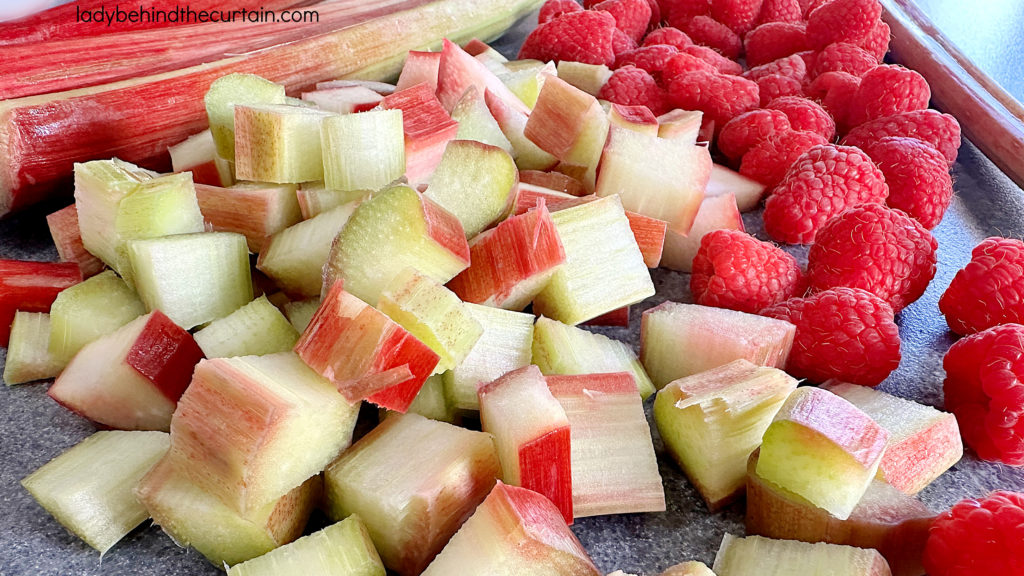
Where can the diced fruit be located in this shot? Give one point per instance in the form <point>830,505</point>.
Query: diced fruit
<point>555,181</point>
<point>198,154</point>
<point>822,448</point>
<point>31,287</point>
<point>649,234</point>
<point>193,278</point>
<point>635,118</point>
<point>365,354</point>
<point>255,329</point>
<point>428,129</point>
<point>28,352</point>
<point>682,125</point>
<point>67,237</point>
<point>300,312</point>
<point>256,211</point>
<point>477,123</point>
<point>131,378</point>
<point>458,71</point>
<point>597,238</point>
<point>228,91</point>
<point>393,230</point>
<point>759,556</point>
<point>88,310</point>
<point>923,442</point>
<point>315,198</point>
<point>193,517</point>
<point>587,77</point>
<point>431,402</point>
<point>679,340</point>
<point>530,195</point>
<point>341,548</point>
<point>413,481</point>
<point>382,88</point>
<point>729,408</point>
<point>294,257</point>
<point>614,469</point>
<point>514,532</point>
<point>533,445</point>
<point>419,67</point>
<point>88,489</point>
<point>344,100</point>
<point>562,349</point>
<point>715,213</point>
<point>691,568</point>
<point>724,181</point>
<point>476,183</point>
<point>295,424</point>
<point>513,121</point>
<point>100,186</point>
<point>364,151</point>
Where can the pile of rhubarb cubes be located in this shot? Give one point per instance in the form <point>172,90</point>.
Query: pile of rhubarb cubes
<point>376,245</point>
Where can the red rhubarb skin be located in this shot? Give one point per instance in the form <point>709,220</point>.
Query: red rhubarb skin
<point>545,466</point>
<point>445,229</point>
<point>427,125</point>
<point>67,237</point>
<point>562,385</point>
<point>840,421</point>
<point>650,236</point>
<point>31,287</point>
<point>458,71</point>
<point>554,181</point>
<point>166,354</point>
<point>420,67</point>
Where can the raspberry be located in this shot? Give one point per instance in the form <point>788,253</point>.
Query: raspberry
<point>655,14</point>
<point>822,183</point>
<point>721,63</point>
<point>750,129</point>
<point>622,43</point>
<point>668,35</point>
<point>792,66</point>
<point>775,86</point>
<point>941,131</point>
<point>984,388</point>
<point>719,96</point>
<point>780,11</point>
<point>554,8</point>
<point>876,42</point>
<point>842,21</point>
<point>887,90</point>
<point>679,12</point>
<point>842,333</point>
<point>768,161</point>
<point>843,57</point>
<point>632,86</point>
<point>917,175</point>
<point>835,90</point>
<point>738,15</point>
<point>577,36</point>
<point>877,249</point>
<point>683,63</point>
<point>774,40</point>
<point>804,114</point>
<point>988,291</point>
<point>631,16</point>
<point>977,537</point>
<point>734,270</point>
<point>650,58</point>
<point>808,6</point>
<point>706,31</point>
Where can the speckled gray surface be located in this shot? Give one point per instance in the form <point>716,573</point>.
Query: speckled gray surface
<point>34,429</point>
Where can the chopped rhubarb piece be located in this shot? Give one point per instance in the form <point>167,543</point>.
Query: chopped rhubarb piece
<point>382,88</point>
<point>513,121</point>
<point>728,407</point>
<point>363,151</point>
<point>228,91</point>
<point>692,568</point>
<point>432,402</point>
<point>553,181</point>
<point>294,257</point>
<point>715,213</point>
<point>636,118</point>
<point>420,67</point>
<point>529,196</point>
<point>681,125</point>
<point>413,481</point>
<point>67,237</point>
<point>678,340</point>
<point>296,423</point>
<point>255,329</point>
<point>614,469</point>
<point>587,77</point>
<point>476,183</point>
<point>300,312</point>
<point>31,287</point>
<point>458,71</point>
<point>256,211</point>
<point>28,352</point>
<point>649,234</point>
<point>748,192</point>
<point>427,126</point>
<point>365,354</point>
<point>315,198</point>
<point>757,556</point>
<point>88,310</point>
<point>198,154</point>
<point>477,123</point>
<point>525,78</point>
<point>88,489</point>
<point>279,143</point>
<point>347,100</point>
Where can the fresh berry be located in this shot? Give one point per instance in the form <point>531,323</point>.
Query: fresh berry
<point>750,129</point>
<point>655,19</point>
<point>622,43</point>
<point>719,96</point>
<point>843,333</point>
<point>707,31</point>
<point>774,40</point>
<point>977,537</point>
<point>941,131</point>
<point>780,11</point>
<point>877,249</point>
<point>876,42</point>
<point>822,183</point>
<point>739,15</point>
<point>917,175</point>
<point>984,388</point>
<point>578,36</point>
<point>554,8</point>
<point>835,90</point>
<point>988,291</point>
<point>842,21</point>
<point>888,90</point>
<point>804,114</point>
<point>843,57</point>
<point>775,86</point>
<point>668,35</point>
<point>678,12</point>
<point>734,270</point>
<point>632,86</point>
<point>808,6</point>
<point>792,66</point>
<point>681,64</point>
<point>631,16</point>
<point>768,161</point>
<point>721,63</point>
<point>650,58</point>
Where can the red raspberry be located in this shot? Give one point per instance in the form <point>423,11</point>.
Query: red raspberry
<point>804,114</point>
<point>738,15</point>
<point>774,40</point>
<point>977,537</point>
<point>768,161</point>
<point>877,249</point>
<point>822,183</point>
<point>622,43</point>
<point>679,12</point>
<point>578,36</point>
<point>682,63</point>
<point>668,35</point>
<point>780,11</point>
<point>988,291</point>
<point>750,129</point>
<point>650,58</point>
<point>775,86</point>
<point>843,333</point>
<point>554,8</point>
<point>719,96</point>
<point>632,86</point>
<point>734,270</point>
<point>888,90</point>
<point>631,16</point>
<point>917,175</point>
<point>706,31</point>
<point>721,63</point>
<point>876,42</point>
<point>835,90</point>
<point>655,20</point>
<point>843,57</point>
<point>842,21</point>
<point>984,388</point>
<point>941,131</point>
<point>792,66</point>
<point>807,5</point>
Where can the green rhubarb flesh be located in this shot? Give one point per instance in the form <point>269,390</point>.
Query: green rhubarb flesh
<point>300,312</point>
<point>255,329</point>
<point>431,401</point>
<point>476,182</point>
<point>228,91</point>
<point>363,151</point>
<point>315,198</point>
<point>477,123</point>
<point>28,353</point>
<point>89,488</point>
<point>759,556</point>
<point>526,81</point>
<point>279,143</point>
<point>587,77</point>
<point>342,548</point>
<point>88,310</point>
